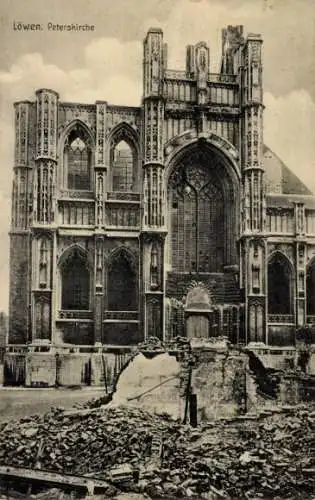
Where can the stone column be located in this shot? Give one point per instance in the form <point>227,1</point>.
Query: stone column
<point>253,195</point>
<point>98,288</point>
<point>300,278</point>
<point>100,194</point>
<point>44,214</point>
<point>153,223</point>
<point>20,265</point>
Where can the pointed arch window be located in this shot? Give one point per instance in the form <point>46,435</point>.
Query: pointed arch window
<point>122,284</point>
<point>77,157</point>
<point>75,278</point>
<point>280,286</point>
<point>196,218</point>
<point>122,167</point>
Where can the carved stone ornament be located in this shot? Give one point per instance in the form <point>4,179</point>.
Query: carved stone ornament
<point>182,139</point>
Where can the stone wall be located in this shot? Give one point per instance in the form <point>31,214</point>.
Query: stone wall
<point>73,369</point>
<point>218,380</point>
<point>143,374</point>
<point>224,381</point>
<point>64,367</point>
<point>279,376</point>
<point>121,333</point>
<point>278,358</point>
<point>40,369</point>
<point>3,329</point>
<point>178,284</point>
<point>300,357</point>
<point>281,335</point>
<point>19,296</point>
<point>77,333</point>
<point>103,370</point>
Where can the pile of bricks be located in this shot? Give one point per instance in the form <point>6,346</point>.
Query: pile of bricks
<point>269,455</point>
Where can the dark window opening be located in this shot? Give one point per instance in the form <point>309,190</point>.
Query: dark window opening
<point>310,290</point>
<point>75,284</point>
<point>279,286</point>
<point>78,159</point>
<point>122,285</point>
<point>122,168</point>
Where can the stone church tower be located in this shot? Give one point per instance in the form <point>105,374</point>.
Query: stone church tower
<point>171,218</point>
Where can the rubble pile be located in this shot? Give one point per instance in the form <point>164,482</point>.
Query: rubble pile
<point>269,455</point>
<point>266,456</point>
<point>82,441</point>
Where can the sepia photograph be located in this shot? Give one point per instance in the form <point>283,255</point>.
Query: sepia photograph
<point>157,263</point>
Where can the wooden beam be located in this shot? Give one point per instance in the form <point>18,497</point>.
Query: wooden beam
<point>55,478</point>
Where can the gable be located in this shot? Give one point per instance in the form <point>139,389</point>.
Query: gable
<point>279,179</point>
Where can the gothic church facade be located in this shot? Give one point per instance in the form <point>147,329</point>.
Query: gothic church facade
<point>168,219</point>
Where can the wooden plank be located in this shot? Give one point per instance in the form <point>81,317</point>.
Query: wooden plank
<point>77,412</point>
<point>52,477</point>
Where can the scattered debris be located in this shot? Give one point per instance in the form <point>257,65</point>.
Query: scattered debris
<point>267,455</point>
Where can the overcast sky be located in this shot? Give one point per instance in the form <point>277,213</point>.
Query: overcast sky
<point>106,64</point>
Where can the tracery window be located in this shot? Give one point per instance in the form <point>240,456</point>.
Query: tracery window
<point>78,160</point>
<point>197,219</point>
<point>122,167</point>
<point>75,278</point>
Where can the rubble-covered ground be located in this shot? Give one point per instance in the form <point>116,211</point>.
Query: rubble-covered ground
<point>270,455</point>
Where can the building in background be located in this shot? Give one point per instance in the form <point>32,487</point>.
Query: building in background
<point>171,218</point>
